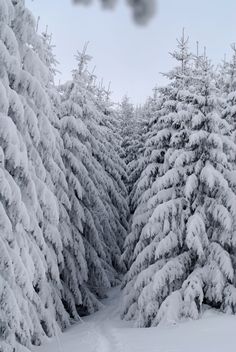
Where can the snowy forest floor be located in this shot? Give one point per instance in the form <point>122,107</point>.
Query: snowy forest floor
<point>105,332</point>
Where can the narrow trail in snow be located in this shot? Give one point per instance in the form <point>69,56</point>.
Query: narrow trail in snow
<point>104,325</point>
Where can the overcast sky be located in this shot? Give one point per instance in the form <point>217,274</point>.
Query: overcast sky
<point>128,55</point>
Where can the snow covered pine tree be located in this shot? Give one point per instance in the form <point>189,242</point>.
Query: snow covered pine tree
<point>183,230</point>
<point>94,177</point>
<point>49,258</point>
<point>145,117</point>
<point>31,289</point>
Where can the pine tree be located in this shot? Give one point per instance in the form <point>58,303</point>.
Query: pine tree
<point>94,182</point>
<point>30,300</point>
<point>127,127</point>
<point>62,201</point>
<point>182,256</point>
<point>34,87</point>
<point>145,116</point>
<point>74,269</point>
<point>156,193</point>
<point>227,80</point>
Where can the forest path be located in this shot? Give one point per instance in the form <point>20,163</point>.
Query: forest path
<point>97,333</point>
<point>106,325</point>
<point>105,332</point>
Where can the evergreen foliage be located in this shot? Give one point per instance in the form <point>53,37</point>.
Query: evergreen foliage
<point>62,200</point>
<point>180,251</point>
<point>77,173</point>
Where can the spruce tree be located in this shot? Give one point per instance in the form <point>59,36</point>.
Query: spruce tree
<point>145,115</point>
<point>159,212</point>
<point>127,126</point>
<point>182,256</point>
<point>227,81</point>
<point>183,228</point>
<point>94,181</point>
<point>31,297</point>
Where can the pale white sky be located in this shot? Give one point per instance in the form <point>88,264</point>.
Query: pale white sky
<point>128,55</point>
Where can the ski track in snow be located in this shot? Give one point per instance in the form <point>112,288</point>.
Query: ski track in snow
<point>106,340</point>
<point>107,335</point>
<point>105,332</point>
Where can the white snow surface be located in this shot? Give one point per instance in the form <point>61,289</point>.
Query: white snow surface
<point>104,331</point>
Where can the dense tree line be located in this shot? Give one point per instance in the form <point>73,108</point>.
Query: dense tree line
<point>92,193</point>
<point>181,249</point>
<point>63,207</point>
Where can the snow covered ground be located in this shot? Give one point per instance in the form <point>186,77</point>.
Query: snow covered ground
<point>105,332</point>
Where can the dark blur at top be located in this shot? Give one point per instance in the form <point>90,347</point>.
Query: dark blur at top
<point>143,10</point>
